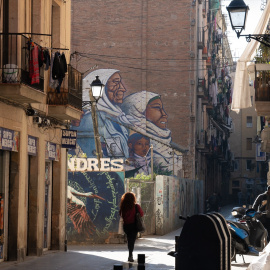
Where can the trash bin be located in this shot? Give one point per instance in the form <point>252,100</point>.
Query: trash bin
<point>204,243</point>
<point>10,73</point>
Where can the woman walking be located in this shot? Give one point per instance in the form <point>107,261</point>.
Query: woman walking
<point>127,212</point>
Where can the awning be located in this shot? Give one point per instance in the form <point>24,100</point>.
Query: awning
<point>241,90</point>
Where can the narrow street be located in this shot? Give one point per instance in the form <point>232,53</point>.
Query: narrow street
<point>104,257</point>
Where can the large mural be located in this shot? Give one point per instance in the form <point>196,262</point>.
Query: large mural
<point>128,125</point>
<point>93,205</point>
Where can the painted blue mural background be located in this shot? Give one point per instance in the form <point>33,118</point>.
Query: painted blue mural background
<point>103,213</point>
<point>127,124</point>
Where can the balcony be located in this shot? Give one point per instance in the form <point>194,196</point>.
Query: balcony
<point>201,144</point>
<point>16,80</point>
<point>200,140</point>
<point>262,89</point>
<point>201,88</point>
<point>66,103</point>
<point>208,62</point>
<point>200,38</point>
<point>204,53</point>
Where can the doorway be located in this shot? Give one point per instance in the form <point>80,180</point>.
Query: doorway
<point>48,206</point>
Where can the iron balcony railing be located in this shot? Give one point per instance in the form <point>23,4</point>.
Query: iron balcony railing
<point>70,92</point>
<point>202,87</point>
<point>201,39</point>
<point>15,56</point>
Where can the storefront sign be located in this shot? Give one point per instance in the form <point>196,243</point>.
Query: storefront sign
<point>9,139</point>
<point>52,151</point>
<point>91,165</point>
<point>69,138</point>
<point>32,145</point>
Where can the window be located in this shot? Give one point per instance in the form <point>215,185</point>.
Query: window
<point>249,143</point>
<point>249,121</point>
<point>251,98</point>
<point>248,163</point>
<point>235,183</point>
<point>236,165</point>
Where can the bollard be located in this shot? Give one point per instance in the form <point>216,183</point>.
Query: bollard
<point>118,267</point>
<point>141,258</point>
<point>176,250</point>
<point>141,262</point>
<point>141,267</point>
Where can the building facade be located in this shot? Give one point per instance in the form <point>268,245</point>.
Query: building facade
<point>33,111</point>
<point>249,163</point>
<point>177,53</point>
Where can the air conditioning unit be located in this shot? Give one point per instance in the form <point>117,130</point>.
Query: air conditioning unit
<point>37,120</point>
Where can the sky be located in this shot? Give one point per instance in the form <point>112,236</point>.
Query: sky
<point>254,14</point>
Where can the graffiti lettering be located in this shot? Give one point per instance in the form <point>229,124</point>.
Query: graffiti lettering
<point>91,164</point>
<point>93,186</point>
<point>114,207</point>
<point>159,218</point>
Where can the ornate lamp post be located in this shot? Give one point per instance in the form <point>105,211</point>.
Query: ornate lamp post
<point>238,11</point>
<point>95,93</point>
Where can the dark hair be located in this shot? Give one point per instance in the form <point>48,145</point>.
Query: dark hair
<point>128,201</point>
<point>268,187</point>
<point>133,139</point>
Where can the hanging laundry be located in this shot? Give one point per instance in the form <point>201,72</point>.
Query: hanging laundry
<point>47,60</point>
<point>40,57</point>
<point>34,66</point>
<point>56,66</point>
<point>53,83</point>
<point>59,69</point>
<point>63,64</point>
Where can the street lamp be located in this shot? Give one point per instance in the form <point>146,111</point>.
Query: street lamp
<point>238,11</point>
<point>95,93</point>
<point>97,89</point>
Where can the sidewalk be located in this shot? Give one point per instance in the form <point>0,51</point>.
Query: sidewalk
<point>103,257</point>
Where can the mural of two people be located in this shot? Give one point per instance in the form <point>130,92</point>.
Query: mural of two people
<point>120,117</point>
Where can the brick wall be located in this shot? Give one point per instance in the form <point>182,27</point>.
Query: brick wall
<point>150,43</point>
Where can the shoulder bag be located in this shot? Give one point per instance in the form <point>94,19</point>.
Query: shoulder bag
<point>139,222</point>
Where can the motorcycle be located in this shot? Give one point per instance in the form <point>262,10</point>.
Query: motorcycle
<point>249,236</point>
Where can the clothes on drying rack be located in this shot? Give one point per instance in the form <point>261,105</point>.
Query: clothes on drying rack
<point>58,70</point>
<point>59,67</point>
<point>40,56</point>
<point>47,59</point>
<point>34,66</point>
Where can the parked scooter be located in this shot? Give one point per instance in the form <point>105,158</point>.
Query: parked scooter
<point>249,236</point>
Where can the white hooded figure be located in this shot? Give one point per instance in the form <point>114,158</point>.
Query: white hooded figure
<point>146,108</point>
<point>112,120</point>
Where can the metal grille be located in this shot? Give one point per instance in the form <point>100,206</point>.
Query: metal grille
<point>70,92</point>
<point>145,194</point>
<point>14,59</point>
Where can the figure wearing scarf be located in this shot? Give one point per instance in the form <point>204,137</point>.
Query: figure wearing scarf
<point>113,135</point>
<point>151,120</point>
